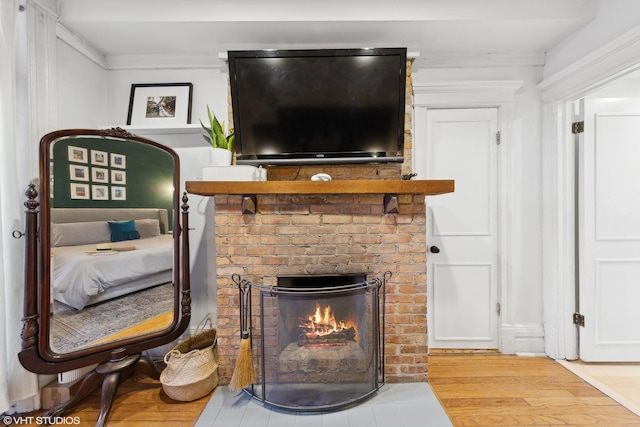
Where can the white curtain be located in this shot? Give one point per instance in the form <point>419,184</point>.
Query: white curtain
<point>17,386</point>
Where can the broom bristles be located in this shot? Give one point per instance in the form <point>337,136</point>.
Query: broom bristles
<point>243,374</point>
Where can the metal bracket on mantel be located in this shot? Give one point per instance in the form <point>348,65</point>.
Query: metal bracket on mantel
<point>391,203</point>
<point>249,204</point>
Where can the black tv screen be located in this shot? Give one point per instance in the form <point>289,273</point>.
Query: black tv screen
<point>318,106</point>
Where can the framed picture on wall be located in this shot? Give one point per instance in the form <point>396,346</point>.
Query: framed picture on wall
<point>78,173</point>
<point>165,104</point>
<point>118,177</point>
<point>77,154</point>
<point>100,192</point>
<point>118,161</point>
<point>118,193</point>
<point>100,175</point>
<point>99,158</point>
<point>79,191</point>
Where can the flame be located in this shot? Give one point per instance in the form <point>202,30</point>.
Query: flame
<point>323,322</point>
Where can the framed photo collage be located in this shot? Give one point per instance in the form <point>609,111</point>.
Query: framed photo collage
<point>97,175</point>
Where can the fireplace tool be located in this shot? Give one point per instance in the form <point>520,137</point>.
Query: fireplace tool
<point>243,373</point>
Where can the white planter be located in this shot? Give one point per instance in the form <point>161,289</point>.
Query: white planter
<point>230,173</point>
<point>221,157</point>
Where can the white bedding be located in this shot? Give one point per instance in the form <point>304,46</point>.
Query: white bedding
<point>78,276</point>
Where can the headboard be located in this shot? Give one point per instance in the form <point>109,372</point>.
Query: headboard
<point>67,215</point>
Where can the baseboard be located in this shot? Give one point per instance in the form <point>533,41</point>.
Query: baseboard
<point>522,338</point>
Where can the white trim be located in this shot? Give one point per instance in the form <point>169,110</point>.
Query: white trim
<point>478,60</point>
<point>165,62</point>
<point>498,94</point>
<point>80,45</point>
<point>614,59</point>
<point>605,64</point>
<point>42,74</point>
<point>479,93</point>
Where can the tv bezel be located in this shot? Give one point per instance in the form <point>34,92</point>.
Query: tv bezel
<point>317,157</point>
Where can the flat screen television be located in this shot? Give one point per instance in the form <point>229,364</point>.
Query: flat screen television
<point>326,106</point>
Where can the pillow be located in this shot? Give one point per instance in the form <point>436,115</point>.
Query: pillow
<point>123,230</point>
<point>80,233</point>
<point>148,227</point>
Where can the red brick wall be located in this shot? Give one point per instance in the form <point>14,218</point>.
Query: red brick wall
<point>311,235</point>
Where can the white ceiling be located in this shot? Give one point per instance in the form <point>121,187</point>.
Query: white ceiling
<point>429,28</point>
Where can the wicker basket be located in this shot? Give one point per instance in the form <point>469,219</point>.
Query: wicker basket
<point>192,367</point>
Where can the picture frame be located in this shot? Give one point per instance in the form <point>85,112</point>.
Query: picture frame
<point>118,161</point>
<point>79,191</point>
<point>99,158</point>
<point>160,104</point>
<point>118,177</point>
<point>100,192</point>
<point>78,173</point>
<point>77,154</point>
<point>118,193</point>
<point>100,175</point>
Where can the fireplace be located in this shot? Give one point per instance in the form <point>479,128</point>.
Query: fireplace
<point>320,341</point>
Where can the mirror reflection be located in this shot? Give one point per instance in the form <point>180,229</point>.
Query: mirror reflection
<point>112,254</point>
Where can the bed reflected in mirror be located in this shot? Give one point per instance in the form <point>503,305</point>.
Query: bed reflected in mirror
<point>111,239</point>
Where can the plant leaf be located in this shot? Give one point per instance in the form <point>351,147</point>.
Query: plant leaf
<point>230,140</point>
<point>206,133</point>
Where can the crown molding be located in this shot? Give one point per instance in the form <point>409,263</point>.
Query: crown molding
<point>466,93</point>
<point>477,60</point>
<point>80,45</point>
<point>165,62</point>
<point>605,64</point>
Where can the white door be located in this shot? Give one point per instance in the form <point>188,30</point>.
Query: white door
<point>461,232</point>
<point>609,231</point>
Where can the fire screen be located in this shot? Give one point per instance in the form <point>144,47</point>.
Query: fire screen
<point>321,348</point>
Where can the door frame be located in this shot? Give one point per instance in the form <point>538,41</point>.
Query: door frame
<point>499,94</point>
<point>560,94</point>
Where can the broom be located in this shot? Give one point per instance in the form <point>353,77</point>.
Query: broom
<point>243,373</point>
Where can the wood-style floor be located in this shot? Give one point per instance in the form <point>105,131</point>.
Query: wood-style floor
<point>499,390</point>
<point>475,390</point>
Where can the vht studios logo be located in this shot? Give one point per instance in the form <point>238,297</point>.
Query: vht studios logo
<point>9,420</point>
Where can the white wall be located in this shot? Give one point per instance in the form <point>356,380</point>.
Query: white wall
<point>524,222</point>
<point>82,90</point>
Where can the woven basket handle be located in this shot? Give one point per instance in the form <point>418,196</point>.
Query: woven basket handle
<point>206,321</point>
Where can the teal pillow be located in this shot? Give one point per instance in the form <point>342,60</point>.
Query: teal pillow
<point>123,230</point>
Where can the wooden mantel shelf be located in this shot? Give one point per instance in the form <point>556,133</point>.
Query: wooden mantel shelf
<point>396,186</point>
<point>390,188</point>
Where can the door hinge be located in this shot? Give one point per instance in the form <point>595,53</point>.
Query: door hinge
<point>578,319</point>
<point>498,138</point>
<point>577,127</point>
<point>498,308</point>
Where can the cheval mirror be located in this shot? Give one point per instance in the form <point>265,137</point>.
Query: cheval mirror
<point>107,259</point>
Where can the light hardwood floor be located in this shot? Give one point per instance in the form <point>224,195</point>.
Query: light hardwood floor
<point>475,390</point>
<point>498,390</point>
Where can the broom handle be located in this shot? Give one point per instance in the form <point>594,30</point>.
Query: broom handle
<point>244,309</point>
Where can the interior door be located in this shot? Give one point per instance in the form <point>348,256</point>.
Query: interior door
<point>609,230</point>
<point>462,262</point>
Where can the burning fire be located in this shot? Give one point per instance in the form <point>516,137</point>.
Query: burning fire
<point>322,325</point>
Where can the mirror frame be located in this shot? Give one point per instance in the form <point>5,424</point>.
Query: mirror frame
<point>36,354</point>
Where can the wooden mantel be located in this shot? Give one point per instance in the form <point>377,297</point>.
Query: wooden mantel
<point>390,188</point>
<point>395,186</point>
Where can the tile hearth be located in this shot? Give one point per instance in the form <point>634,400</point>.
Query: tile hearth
<point>394,405</point>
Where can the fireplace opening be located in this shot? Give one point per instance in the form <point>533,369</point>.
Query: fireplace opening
<point>320,342</point>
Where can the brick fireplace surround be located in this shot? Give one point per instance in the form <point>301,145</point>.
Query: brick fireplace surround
<point>297,235</point>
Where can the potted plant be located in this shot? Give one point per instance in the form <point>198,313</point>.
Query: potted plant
<point>222,144</point>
